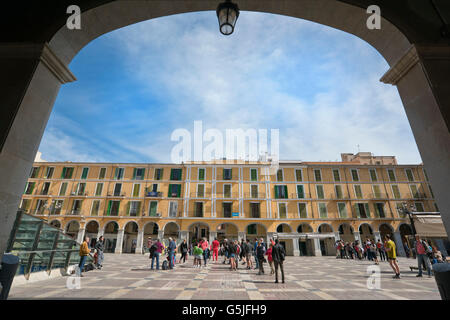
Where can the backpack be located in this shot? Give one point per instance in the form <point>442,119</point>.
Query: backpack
<point>165,265</point>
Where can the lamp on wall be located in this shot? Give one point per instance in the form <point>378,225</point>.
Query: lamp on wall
<point>227,13</point>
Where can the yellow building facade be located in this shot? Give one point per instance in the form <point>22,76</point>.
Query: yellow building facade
<point>307,205</point>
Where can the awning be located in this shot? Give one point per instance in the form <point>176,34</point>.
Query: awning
<point>429,226</point>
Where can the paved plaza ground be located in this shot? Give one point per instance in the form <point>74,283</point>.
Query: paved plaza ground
<point>127,276</point>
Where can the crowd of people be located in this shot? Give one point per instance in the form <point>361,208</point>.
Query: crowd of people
<point>370,250</point>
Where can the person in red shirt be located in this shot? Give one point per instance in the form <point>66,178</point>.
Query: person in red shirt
<point>205,247</point>
<point>215,248</point>
<point>269,258</point>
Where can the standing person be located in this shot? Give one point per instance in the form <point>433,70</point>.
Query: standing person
<point>248,254</point>
<point>226,251</point>
<point>254,253</point>
<point>171,248</point>
<point>198,252</point>
<point>183,249</point>
<point>278,255</point>
<point>155,251</point>
<point>242,250</point>
<point>149,243</point>
<point>342,248</point>
<point>84,252</point>
<point>380,249</point>
<point>260,251</point>
<point>205,248</point>
<point>422,252</point>
<point>392,256</point>
<point>373,252</point>
<point>232,252</point>
<point>215,249</point>
<point>100,247</point>
<point>269,257</point>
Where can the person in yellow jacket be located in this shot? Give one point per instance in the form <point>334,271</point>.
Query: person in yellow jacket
<point>84,252</point>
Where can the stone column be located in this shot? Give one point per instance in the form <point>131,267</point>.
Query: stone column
<point>421,77</point>
<point>161,235</point>
<point>183,235</point>
<point>377,235</point>
<point>271,235</point>
<point>357,236</point>
<point>80,235</point>
<point>296,247</point>
<point>316,243</point>
<point>30,76</point>
<point>119,242</point>
<point>140,242</point>
<point>399,244</point>
<point>241,235</point>
<point>337,236</point>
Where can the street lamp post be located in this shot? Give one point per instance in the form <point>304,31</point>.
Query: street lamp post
<point>227,13</point>
<point>404,209</point>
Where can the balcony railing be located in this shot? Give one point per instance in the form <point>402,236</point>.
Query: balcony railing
<point>206,194</point>
<point>116,195</point>
<point>154,194</point>
<point>227,195</point>
<point>255,195</point>
<point>76,212</point>
<point>300,196</point>
<point>79,194</point>
<point>380,196</point>
<point>417,195</point>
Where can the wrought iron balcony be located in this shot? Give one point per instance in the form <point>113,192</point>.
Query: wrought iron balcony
<point>154,194</point>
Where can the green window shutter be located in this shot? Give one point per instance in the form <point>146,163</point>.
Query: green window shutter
<point>178,190</point>
<point>109,208</point>
<point>170,190</point>
<point>33,184</point>
<point>201,174</point>
<point>172,174</point>
<point>276,193</point>
<point>300,192</point>
<point>358,214</point>
<point>285,192</point>
<point>298,174</point>
<point>116,172</point>
<point>128,208</point>
<point>134,173</point>
<point>63,173</point>
<point>366,205</point>
<point>153,206</point>
<point>84,174</point>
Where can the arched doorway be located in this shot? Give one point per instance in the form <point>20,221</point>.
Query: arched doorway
<point>171,230</point>
<point>198,231</point>
<point>286,242</point>
<point>92,228</point>
<point>305,245</point>
<point>227,231</point>
<point>406,234</point>
<point>130,232</point>
<point>386,229</point>
<point>327,243</point>
<point>72,229</point>
<point>346,233</point>
<point>255,230</point>
<point>284,228</point>
<point>150,233</point>
<point>110,234</point>
<point>56,224</point>
<point>366,232</point>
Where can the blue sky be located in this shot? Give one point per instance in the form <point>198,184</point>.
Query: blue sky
<point>319,86</point>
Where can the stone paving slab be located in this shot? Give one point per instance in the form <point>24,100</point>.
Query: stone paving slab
<point>128,276</point>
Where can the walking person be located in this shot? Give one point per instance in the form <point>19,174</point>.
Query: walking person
<point>198,253</point>
<point>380,249</point>
<point>184,250</point>
<point>232,251</point>
<point>171,248</point>
<point>215,249</point>
<point>373,252</point>
<point>260,251</point>
<point>422,251</point>
<point>254,253</point>
<point>100,247</point>
<point>269,257</point>
<point>84,252</point>
<point>205,247</point>
<point>155,251</point>
<point>248,254</point>
<point>278,255</point>
<point>392,256</point>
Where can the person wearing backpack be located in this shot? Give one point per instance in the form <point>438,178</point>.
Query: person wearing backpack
<point>184,250</point>
<point>422,251</point>
<point>278,255</point>
<point>155,251</point>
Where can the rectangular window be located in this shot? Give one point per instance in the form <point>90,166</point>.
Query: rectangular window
<point>62,190</point>
<point>376,191</point>
<point>254,174</point>
<point>173,209</point>
<point>419,207</point>
<point>320,193</point>
<point>226,209</point>
<point>67,173</point>
<point>84,173</point>
<point>254,209</point>
<point>118,174</point>
<point>198,207</point>
<point>414,191</point>
<point>113,208</point>
<point>282,211</point>
<point>99,189</point>
<point>76,208</point>
<point>25,205</point>
<point>342,208</point>
<point>49,172</point>
<point>254,191</point>
<point>95,207</point>
<point>362,210</point>
<point>323,213</point>
<point>200,190</point>
<point>302,210</point>
<point>40,206</point>
<point>318,175</point>
<point>355,175</point>
<point>396,191</point>
<point>338,191</point>
<point>298,175</point>
<point>81,189</point>
<point>251,229</point>
<point>227,174</point>
<point>102,173</point>
<point>379,210</point>
<point>227,190</point>
<point>201,174</point>
<point>281,192</point>
<point>174,190</point>
<point>358,192</point>
<point>46,188</point>
<point>409,174</point>
<point>117,189</point>
<point>336,175</point>
<point>136,190</point>
<point>175,174</point>
<point>300,192</point>
<point>391,174</point>
<point>158,174</point>
<point>138,173</point>
<point>280,175</point>
<point>56,206</point>
<point>373,175</point>
<point>30,187</point>
<point>134,208</point>
<point>153,207</point>
<point>34,172</point>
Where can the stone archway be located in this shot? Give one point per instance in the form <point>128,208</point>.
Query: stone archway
<point>386,229</point>
<point>283,228</point>
<point>346,233</point>
<point>327,247</point>
<point>130,234</point>
<point>198,231</point>
<point>305,245</point>
<point>406,234</point>
<point>416,70</point>
<point>171,230</point>
<point>150,233</point>
<point>72,229</point>
<point>111,230</point>
<point>92,228</point>
<point>366,232</point>
<point>227,231</point>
